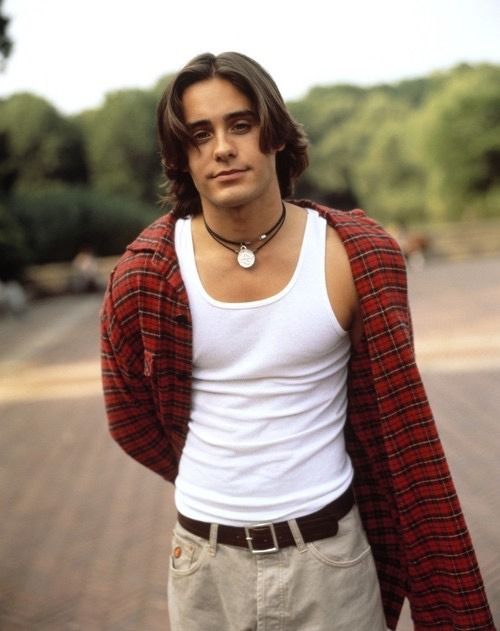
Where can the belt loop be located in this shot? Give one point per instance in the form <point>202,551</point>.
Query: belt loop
<point>212,540</point>
<point>297,535</point>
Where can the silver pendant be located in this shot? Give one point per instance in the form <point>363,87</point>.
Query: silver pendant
<point>246,258</point>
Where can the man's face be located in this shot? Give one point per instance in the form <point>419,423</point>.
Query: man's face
<point>224,160</point>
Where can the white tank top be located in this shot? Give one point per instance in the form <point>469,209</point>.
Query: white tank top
<point>269,397</point>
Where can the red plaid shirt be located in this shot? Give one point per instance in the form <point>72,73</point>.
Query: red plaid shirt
<point>403,487</point>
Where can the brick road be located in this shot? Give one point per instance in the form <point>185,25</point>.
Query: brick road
<point>84,534</point>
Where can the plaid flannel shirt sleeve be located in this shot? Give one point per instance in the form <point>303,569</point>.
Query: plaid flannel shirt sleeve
<point>128,397</point>
<point>445,588</point>
<point>404,489</point>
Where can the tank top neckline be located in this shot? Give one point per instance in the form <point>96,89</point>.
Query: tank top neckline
<point>249,304</point>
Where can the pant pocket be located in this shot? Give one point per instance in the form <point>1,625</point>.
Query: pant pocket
<point>347,548</point>
<point>188,552</point>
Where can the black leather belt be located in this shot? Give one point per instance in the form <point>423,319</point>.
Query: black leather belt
<point>270,537</point>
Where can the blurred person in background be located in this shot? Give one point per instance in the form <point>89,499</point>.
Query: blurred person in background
<point>257,352</point>
<point>13,298</point>
<point>84,272</point>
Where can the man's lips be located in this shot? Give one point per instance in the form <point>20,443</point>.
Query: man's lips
<point>228,173</point>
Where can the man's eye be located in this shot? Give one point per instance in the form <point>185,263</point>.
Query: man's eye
<point>241,127</point>
<point>200,136</point>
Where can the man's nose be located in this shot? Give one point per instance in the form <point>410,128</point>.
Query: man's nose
<point>224,148</point>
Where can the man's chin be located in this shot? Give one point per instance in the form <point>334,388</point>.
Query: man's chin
<point>230,202</point>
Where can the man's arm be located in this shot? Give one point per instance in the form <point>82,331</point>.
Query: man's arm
<point>130,408</point>
<point>341,288</point>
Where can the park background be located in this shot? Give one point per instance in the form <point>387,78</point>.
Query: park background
<point>409,131</point>
<point>401,104</point>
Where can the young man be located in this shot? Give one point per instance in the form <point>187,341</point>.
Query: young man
<point>258,354</point>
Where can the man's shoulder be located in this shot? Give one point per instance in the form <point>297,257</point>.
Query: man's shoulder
<point>154,244</point>
<point>353,225</point>
<point>147,260</point>
<point>154,236</point>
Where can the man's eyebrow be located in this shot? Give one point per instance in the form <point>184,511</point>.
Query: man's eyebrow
<point>227,117</point>
<point>240,114</point>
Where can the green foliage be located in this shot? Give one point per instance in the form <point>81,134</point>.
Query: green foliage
<point>38,145</point>
<point>417,150</point>
<point>5,41</point>
<point>121,145</point>
<point>325,114</point>
<point>461,144</point>
<point>58,223</point>
<point>395,191</point>
<point>159,87</point>
<point>14,253</point>
<point>420,149</point>
<point>326,108</point>
<point>341,156</point>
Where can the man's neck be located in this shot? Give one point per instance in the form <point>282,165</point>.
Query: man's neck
<point>243,223</point>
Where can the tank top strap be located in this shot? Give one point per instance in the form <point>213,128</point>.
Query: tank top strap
<point>313,251</point>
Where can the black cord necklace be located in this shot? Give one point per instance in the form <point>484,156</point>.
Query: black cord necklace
<point>244,255</point>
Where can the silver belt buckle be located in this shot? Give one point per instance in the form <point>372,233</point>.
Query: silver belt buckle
<point>249,538</point>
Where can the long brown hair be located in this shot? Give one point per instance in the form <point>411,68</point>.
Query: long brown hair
<point>277,127</point>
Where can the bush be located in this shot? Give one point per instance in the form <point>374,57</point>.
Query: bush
<point>58,223</point>
<point>14,254</point>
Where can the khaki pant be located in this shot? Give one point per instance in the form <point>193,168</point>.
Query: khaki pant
<point>328,585</point>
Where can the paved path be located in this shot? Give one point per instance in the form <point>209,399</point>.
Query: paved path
<point>84,534</point>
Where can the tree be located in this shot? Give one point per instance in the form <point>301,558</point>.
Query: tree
<point>121,145</point>
<point>461,144</point>
<point>159,87</point>
<point>38,146</point>
<point>389,178</point>
<point>345,124</point>
<point>14,253</point>
<point>5,41</point>
<point>325,113</point>
<point>59,222</point>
